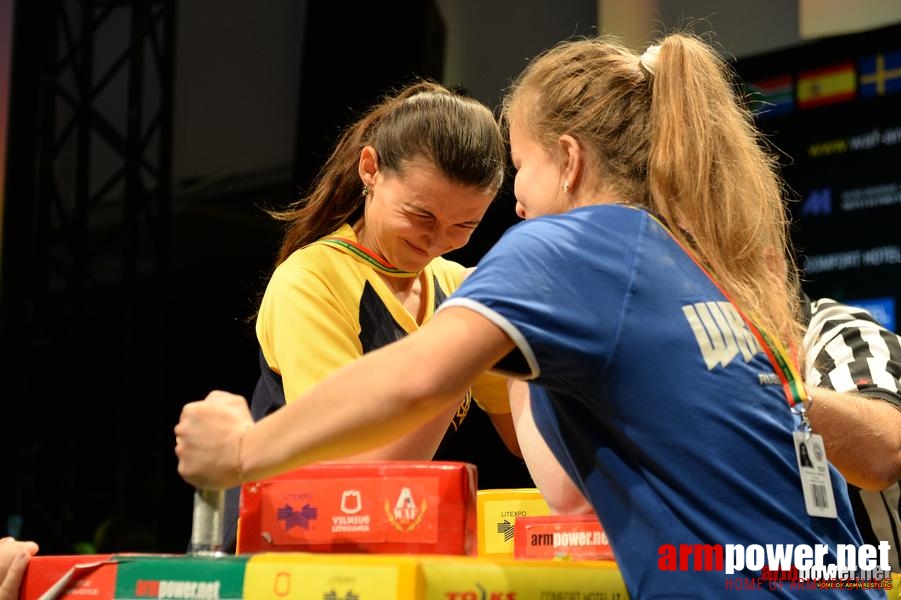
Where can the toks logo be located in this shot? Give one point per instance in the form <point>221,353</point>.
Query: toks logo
<point>482,594</point>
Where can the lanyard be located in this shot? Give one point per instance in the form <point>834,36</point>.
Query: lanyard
<point>816,483</point>
<point>792,385</point>
<point>366,255</point>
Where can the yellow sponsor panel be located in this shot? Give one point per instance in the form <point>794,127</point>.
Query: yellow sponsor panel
<point>469,578</point>
<point>496,512</point>
<point>298,576</point>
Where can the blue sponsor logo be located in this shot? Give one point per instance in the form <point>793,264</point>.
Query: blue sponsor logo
<point>817,202</point>
<point>297,518</point>
<point>882,309</point>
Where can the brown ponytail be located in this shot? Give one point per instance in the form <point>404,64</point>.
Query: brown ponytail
<point>457,134</point>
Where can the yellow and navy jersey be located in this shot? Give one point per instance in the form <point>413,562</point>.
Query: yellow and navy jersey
<point>326,306</point>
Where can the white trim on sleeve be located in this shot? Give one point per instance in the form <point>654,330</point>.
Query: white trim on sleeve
<point>509,328</point>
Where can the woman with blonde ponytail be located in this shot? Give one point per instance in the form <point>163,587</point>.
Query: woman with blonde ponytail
<point>647,299</point>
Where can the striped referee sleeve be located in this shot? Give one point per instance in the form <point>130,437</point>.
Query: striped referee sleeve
<point>847,350</point>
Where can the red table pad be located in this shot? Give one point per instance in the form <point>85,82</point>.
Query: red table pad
<point>397,507</point>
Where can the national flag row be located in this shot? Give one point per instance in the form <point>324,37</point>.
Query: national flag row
<point>876,75</point>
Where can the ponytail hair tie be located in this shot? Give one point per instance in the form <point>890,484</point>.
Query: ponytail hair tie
<point>649,58</point>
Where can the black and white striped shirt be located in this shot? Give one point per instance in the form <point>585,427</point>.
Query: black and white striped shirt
<point>848,351</point>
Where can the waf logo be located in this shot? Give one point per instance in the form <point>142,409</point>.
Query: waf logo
<point>300,518</point>
<point>482,594</point>
<point>405,516</point>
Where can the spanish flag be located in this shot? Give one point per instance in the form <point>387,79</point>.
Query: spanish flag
<point>829,85</point>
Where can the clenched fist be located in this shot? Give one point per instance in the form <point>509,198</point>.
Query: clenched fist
<point>208,440</point>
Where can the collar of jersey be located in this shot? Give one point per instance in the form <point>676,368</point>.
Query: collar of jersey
<point>343,241</point>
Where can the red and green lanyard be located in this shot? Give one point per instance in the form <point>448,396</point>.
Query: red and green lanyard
<point>792,384</point>
<point>363,253</point>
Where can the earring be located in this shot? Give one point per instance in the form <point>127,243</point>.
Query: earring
<point>566,187</point>
<point>366,191</point>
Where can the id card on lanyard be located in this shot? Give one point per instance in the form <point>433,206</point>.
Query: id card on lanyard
<point>816,483</point>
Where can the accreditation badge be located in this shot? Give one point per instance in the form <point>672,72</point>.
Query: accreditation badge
<point>815,480</point>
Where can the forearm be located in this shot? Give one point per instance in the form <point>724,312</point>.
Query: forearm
<point>846,349</point>
<point>862,436</point>
<point>325,425</point>
<point>384,395</point>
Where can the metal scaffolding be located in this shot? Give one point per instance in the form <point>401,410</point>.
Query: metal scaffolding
<point>106,131</point>
<point>94,241</point>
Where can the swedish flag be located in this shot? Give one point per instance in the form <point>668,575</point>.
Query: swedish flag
<point>880,74</point>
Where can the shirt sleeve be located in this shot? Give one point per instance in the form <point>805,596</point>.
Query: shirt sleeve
<point>543,286</point>
<point>847,350</point>
<point>305,330</point>
<point>490,393</point>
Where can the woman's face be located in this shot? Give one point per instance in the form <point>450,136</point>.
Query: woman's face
<point>417,215</point>
<point>538,186</point>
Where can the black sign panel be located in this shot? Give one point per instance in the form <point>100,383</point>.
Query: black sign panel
<point>832,109</point>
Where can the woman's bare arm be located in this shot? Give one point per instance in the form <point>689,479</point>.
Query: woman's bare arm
<point>371,401</point>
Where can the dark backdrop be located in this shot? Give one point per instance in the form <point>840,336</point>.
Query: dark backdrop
<point>98,360</point>
<point>832,110</point>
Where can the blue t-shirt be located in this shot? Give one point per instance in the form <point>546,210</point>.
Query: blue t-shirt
<point>651,391</point>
